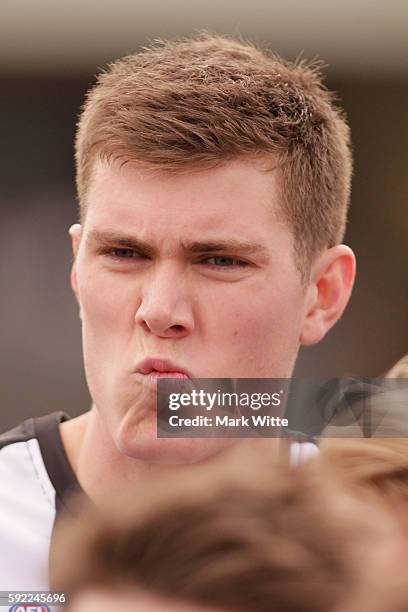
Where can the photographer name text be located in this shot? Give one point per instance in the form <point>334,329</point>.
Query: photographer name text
<point>227,421</point>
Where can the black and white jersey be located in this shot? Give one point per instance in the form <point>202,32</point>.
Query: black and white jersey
<point>35,476</point>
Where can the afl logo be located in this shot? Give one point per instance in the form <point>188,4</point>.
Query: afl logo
<point>29,608</point>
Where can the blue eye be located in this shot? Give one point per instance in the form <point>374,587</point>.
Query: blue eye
<point>223,261</point>
<point>123,253</point>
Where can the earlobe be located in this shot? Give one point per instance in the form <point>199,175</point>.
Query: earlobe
<point>332,280</point>
<point>75,233</point>
<point>74,280</point>
<point>74,285</point>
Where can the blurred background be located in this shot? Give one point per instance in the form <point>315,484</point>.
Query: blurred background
<point>49,54</point>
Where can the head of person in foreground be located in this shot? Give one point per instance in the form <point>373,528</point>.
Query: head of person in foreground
<point>243,536</point>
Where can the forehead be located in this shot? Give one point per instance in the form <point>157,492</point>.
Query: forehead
<point>131,600</point>
<point>238,197</point>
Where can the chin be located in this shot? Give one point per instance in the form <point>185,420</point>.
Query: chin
<point>136,438</point>
<point>148,448</point>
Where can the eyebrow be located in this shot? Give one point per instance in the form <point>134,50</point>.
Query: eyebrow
<point>212,246</point>
<point>231,246</point>
<point>102,238</point>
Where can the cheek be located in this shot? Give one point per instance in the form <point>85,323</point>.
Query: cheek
<point>256,318</point>
<point>104,299</point>
<point>107,327</point>
<point>259,334</point>
<point>108,307</point>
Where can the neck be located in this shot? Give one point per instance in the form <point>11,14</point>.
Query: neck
<point>103,471</point>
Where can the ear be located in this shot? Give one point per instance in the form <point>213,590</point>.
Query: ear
<point>75,232</point>
<point>331,282</point>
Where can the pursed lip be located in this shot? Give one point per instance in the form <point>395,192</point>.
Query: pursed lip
<point>157,366</point>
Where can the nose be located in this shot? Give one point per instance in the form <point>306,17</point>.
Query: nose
<point>166,309</point>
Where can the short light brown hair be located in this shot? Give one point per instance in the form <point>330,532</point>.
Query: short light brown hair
<point>251,537</point>
<point>197,103</point>
<point>379,465</point>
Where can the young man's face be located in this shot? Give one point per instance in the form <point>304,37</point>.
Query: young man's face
<point>193,268</point>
